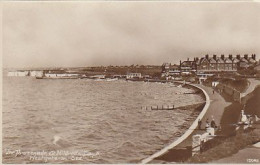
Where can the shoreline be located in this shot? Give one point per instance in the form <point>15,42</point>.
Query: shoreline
<point>187,133</point>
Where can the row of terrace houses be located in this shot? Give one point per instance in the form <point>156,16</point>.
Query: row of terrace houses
<point>223,63</point>
<point>210,65</point>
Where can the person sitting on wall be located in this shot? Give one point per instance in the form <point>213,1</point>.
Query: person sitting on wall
<point>213,124</point>
<point>243,118</point>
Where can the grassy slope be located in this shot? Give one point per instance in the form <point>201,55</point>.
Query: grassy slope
<point>227,147</point>
<point>240,84</point>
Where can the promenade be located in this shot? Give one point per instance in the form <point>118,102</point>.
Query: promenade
<point>215,110</point>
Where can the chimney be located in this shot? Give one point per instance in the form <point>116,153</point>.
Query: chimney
<point>246,56</point>
<point>214,57</point>
<point>238,56</point>
<point>230,56</point>
<point>253,56</point>
<point>188,59</point>
<point>180,62</point>
<point>222,56</point>
<point>207,56</point>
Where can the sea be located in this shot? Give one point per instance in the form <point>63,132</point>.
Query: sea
<point>88,121</point>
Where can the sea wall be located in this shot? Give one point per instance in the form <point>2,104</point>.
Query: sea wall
<point>188,132</point>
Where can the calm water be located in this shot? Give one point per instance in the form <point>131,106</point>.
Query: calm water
<point>98,116</point>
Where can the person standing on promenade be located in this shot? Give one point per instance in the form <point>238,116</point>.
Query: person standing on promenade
<point>207,124</point>
<point>199,124</point>
<point>213,124</point>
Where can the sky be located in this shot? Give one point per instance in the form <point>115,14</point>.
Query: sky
<point>78,34</point>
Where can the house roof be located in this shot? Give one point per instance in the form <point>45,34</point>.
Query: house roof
<point>257,68</point>
<point>251,60</point>
<point>187,63</point>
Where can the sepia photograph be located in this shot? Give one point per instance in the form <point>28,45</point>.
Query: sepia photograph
<point>130,82</point>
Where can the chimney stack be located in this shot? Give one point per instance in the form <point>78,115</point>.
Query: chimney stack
<point>188,59</point>
<point>230,57</point>
<point>238,56</point>
<point>207,56</point>
<point>222,56</point>
<point>253,56</point>
<point>246,56</point>
<point>214,56</point>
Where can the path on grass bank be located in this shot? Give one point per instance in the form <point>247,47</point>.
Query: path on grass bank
<point>215,109</point>
<point>253,84</point>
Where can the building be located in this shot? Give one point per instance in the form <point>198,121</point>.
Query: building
<point>57,75</point>
<point>215,64</point>
<point>36,73</point>
<point>18,73</point>
<point>187,67</point>
<point>133,75</point>
<point>169,70</point>
<point>207,66</point>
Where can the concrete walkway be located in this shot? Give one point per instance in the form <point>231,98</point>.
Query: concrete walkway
<point>215,110</point>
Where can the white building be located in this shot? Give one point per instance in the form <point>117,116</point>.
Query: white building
<point>35,73</point>
<point>50,75</point>
<point>133,75</point>
<point>57,75</point>
<point>18,73</point>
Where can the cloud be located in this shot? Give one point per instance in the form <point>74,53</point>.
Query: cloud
<point>38,34</point>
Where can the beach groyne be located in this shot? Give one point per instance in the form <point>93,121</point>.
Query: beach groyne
<point>188,132</point>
